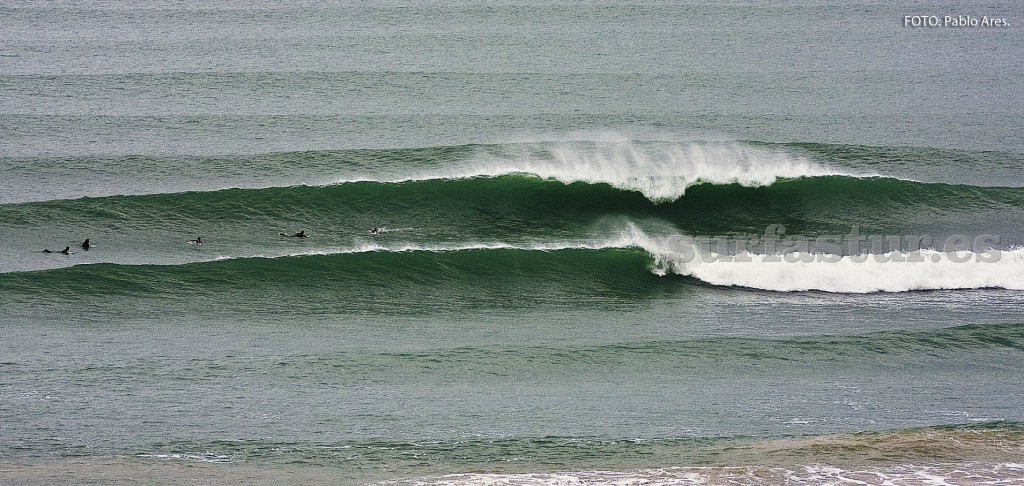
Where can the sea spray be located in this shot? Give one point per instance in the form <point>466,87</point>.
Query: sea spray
<point>661,171</point>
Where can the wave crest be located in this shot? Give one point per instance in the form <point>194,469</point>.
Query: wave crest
<point>661,171</point>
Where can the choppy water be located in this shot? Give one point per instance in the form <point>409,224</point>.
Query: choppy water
<point>622,243</point>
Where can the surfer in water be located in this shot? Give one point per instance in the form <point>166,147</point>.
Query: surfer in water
<point>300,234</point>
<point>86,245</point>
<point>65,251</point>
<point>198,241</point>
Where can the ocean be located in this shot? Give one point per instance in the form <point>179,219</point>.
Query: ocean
<point>620,243</point>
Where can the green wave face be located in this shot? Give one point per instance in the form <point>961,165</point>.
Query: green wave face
<point>376,281</point>
<point>529,196</point>
<point>524,203</point>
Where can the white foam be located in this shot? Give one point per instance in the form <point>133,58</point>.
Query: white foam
<point>811,475</point>
<point>659,477</point>
<point>201,457</point>
<point>890,272</point>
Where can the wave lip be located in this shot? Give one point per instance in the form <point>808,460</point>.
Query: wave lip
<point>661,171</point>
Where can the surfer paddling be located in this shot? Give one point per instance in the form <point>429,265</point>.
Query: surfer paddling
<point>300,234</point>
<point>65,251</point>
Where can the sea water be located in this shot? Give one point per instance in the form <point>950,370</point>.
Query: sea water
<point>623,243</point>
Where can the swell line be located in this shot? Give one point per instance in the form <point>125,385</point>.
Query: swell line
<point>633,259</point>
<point>661,171</point>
